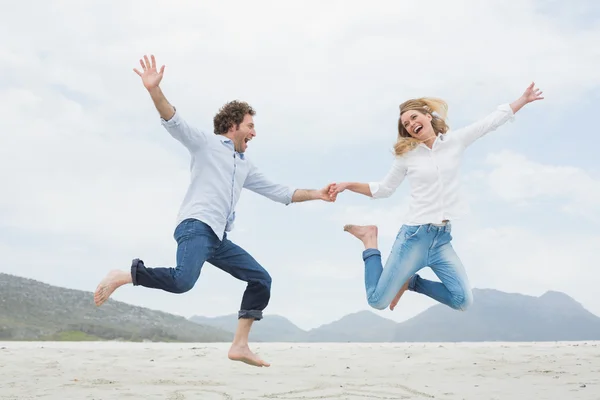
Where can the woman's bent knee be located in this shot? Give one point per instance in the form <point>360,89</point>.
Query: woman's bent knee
<point>377,303</point>
<point>462,301</point>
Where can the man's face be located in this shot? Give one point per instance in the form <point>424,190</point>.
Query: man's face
<point>243,134</point>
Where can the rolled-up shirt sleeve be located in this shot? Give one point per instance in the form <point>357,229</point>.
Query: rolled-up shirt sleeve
<point>192,138</point>
<point>389,184</point>
<point>257,182</point>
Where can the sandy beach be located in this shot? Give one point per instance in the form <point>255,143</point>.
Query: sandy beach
<point>112,370</point>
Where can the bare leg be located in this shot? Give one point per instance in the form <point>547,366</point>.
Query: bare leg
<point>367,234</point>
<point>239,350</point>
<point>109,284</point>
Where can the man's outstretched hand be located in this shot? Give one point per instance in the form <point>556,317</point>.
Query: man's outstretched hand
<point>324,194</point>
<point>150,76</point>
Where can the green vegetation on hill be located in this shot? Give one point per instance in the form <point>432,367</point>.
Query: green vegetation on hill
<point>71,336</point>
<point>31,310</point>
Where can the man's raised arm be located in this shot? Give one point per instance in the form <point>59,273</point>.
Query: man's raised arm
<point>189,136</point>
<point>151,79</point>
<point>164,108</point>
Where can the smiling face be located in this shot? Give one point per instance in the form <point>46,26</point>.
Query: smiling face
<point>417,124</point>
<point>242,134</point>
<point>235,120</point>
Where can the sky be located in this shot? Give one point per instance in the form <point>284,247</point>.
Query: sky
<point>91,180</point>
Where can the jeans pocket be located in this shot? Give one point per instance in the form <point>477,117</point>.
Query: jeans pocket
<point>411,231</point>
<point>449,231</point>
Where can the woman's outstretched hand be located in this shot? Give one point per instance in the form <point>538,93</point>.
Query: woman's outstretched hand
<point>531,94</point>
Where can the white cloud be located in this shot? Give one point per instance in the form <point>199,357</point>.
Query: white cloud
<point>517,179</point>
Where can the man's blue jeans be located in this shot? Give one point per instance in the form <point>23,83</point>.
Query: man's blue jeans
<point>197,244</point>
<point>416,247</point>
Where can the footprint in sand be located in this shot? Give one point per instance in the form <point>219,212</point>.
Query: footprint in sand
<point>344,391</point>
<point>176,396</point>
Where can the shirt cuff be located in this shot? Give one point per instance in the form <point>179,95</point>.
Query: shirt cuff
<point>506,107</point>
<point>171,122</point>
<point>288,199</point>
<point>374,188</point>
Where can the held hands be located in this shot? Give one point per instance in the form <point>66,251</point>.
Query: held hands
<point>150,77</point>
<point>334,188</point>
<point>329,193</point>
<point>326,195</point>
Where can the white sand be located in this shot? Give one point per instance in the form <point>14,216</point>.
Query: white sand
<point>485,371</point>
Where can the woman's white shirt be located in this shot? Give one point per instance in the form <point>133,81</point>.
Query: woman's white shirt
<point>433,173</point>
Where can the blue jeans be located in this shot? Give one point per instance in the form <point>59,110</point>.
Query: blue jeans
<point>416,247</point>
<point>196,244</point>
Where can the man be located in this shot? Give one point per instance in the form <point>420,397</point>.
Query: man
<point>219,171</point>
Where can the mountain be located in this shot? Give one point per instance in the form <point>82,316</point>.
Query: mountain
<point>363,326</point>
<point>272,328</point>
<point>499,316</point>
<point>494,316</point>
<point>31,310</point>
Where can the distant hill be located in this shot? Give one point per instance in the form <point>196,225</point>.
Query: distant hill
<point>363,326</point>
<point>273,328</point>
<point>31,310</point>
<point>494,316</point>
<point>499,316</point>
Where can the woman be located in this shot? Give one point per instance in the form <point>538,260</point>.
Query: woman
<point>429,155</point>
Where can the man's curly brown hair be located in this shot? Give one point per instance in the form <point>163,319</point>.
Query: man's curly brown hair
<point>231,114</point>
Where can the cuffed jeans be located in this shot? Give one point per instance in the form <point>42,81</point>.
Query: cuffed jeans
<point>197,244</point>
<point>416,247</point>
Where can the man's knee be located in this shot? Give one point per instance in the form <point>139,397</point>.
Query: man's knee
<point>263,286</point>
<point>258,293</point>
<point>182,285</point>
<point>263,279</point>
<point>267,280</point>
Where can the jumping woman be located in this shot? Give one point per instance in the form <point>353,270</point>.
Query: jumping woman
<point>429,154</point>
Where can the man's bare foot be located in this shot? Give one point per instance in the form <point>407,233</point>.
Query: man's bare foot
<point>366,233</point>
<point>109,284</point>
<point>400,293</point>
<point>243,354</point>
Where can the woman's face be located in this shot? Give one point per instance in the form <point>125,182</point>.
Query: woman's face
<point>417,124</point>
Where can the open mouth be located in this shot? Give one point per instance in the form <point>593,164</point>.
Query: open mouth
<point>418,129</point>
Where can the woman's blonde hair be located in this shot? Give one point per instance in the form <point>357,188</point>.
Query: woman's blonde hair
<point>437,108</point>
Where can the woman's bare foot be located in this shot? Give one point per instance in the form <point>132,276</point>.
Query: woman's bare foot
<point>400,293</point>
<point>242,353</point>
<point>367,234</point>
<point>109,284</point>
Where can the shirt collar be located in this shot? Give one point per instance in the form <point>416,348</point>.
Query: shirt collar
<point>441,137</point>
<point>227,142</point>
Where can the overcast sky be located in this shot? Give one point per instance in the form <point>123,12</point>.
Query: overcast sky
<point>91,180</point>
